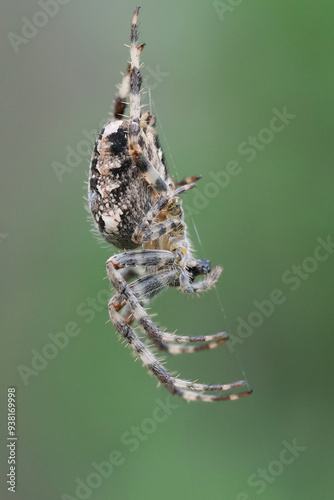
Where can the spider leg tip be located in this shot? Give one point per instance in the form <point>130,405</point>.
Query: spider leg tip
<point>244,394</point>
<point>240,383</point>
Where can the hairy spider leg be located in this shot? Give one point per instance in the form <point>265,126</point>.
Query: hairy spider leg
<point>146,287</point>
<point>188,180</point>
<point>149,172</point>
<point>145,258</point>
<point>174,385</point>
<point>157,281</point>
<point>122,94</point>
<point>170,201</point>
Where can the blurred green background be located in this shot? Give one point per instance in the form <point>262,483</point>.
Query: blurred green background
<point>216,71</point>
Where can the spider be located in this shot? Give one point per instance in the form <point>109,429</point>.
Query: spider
<point>137,208</point>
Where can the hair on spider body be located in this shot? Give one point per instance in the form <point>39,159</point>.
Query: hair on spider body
<point>136,207</point>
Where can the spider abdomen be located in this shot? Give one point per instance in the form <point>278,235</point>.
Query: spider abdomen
<point>119,196</point>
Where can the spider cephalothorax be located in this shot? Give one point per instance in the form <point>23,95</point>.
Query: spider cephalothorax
<point>134,203</point>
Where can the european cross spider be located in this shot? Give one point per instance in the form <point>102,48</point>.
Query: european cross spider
<point>134,203</point>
